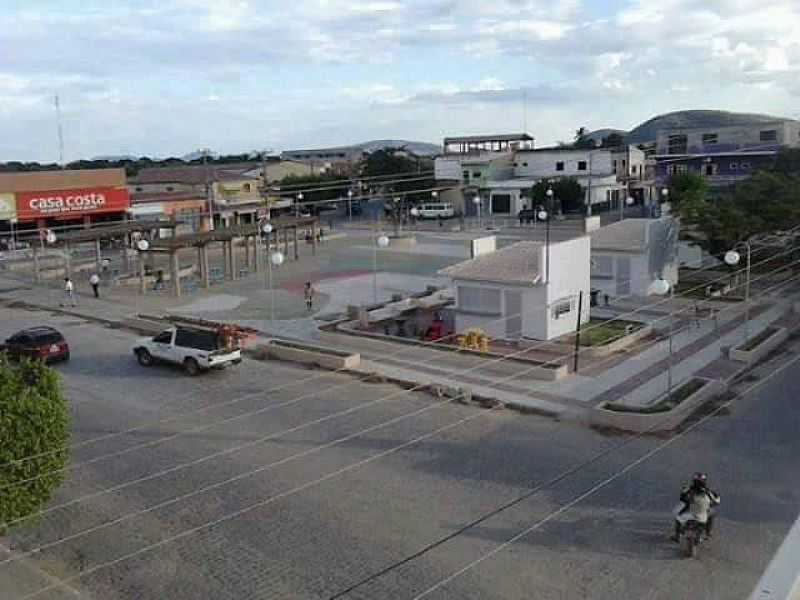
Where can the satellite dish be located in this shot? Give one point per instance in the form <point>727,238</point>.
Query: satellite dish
<point>143,245</point>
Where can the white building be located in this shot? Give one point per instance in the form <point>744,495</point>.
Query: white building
<point>629,255</point>
<point>526,290</point>
<point>595,170</point>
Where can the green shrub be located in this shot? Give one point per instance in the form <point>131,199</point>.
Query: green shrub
<point>34,422</point>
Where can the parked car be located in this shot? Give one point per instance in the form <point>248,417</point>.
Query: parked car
<point>195,349</point>
<point>439,210</point>
<point>43,342</point>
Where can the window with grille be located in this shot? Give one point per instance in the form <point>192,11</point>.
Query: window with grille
<point>561,308</point>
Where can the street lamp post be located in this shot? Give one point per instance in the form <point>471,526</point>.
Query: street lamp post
<point>662,287</point>
<point>545,216</point>
<point>415,215</point>
<point>350,205</point>
<point>276,260</point>
<point>732,258</point>
<point>629,202</point>
<point>380,241</point>
<point>297,204</point>
<point>664,195</point>
<point>477,202</point>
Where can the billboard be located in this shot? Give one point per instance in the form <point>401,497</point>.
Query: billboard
<point>8,207</point>
<point>71,203</point>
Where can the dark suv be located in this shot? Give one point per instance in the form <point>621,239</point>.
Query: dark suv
<point>43,342</point>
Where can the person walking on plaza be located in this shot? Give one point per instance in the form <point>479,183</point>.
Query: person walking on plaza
<point>94,281</point>
<point>308,292</point>
<point>69,289</point>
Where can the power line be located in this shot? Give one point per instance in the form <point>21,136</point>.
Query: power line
<point>239,476</point>
<point>265,502</point>
<point>297,399</point>
<point>602,484</point>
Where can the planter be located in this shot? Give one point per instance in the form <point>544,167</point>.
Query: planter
<point>759,346</point>
<point>617,345</point>
<point>658,416</point>
<point>309,354</point>
<point>537,369</point>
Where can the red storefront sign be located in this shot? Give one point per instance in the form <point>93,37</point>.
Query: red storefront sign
<point>71,203</point>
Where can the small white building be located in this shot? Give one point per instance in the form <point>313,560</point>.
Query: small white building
<point>507,293</point>
<point>629,255</point>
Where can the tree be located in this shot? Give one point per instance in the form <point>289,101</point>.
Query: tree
<point>385,162</point>
<point>766,202</point>
<point>688,193</point>
<point>788,161</point>
<point>34,436</point>
<point>568,195</point>
<point>334,187</point>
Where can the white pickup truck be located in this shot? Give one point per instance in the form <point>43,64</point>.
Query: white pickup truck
<point>196,349</point>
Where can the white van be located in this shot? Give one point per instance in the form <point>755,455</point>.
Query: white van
<point>438,210</point>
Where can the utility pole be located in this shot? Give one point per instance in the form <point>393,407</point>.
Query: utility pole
<point>60,133</point>
<point>209,194</point>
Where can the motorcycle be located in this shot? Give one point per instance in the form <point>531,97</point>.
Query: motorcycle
<point>694,532</point>
<point>693,536</point>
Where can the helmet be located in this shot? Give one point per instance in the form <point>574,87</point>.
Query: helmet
<point>700,480</point>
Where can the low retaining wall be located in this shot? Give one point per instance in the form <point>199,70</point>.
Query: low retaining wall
<point>308,354</point>
<point>663,421</point>
<point>550,373</point>
<point>750,357</point>
<point>617,345</point>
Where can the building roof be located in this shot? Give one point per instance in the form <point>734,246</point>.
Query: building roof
<point>566,149</point>
<point>743,152</point>
<point>148,197</point>
<point>193,175</point>
<point>495,137</point>
<point>514,264</point>
<point>628,235</point>
<point>41,181</point>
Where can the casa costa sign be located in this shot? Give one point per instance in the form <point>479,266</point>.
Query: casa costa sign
<point>71,203</point>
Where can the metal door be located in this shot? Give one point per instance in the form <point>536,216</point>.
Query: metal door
<point>513,314</point>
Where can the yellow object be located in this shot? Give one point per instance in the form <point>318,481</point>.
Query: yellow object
<point>474,339</point>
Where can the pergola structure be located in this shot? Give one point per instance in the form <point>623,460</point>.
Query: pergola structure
<point>101,233</point>
<point>249,234</point>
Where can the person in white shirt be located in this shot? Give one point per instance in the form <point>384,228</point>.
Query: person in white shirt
<point>69,296</point>
<point>94,281</point>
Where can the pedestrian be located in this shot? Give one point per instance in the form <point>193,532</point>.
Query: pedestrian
<point>308,292</point>
<point>69,296</point>
<point>94,281</point>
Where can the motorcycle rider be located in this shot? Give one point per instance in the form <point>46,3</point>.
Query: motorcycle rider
<point>698,502</point>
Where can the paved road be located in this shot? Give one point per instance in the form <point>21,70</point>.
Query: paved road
<point>318,540</point>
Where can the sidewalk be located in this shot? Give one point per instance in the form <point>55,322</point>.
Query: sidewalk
<point>781,580</point>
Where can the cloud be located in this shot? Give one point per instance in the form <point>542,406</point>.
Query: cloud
<point>236,68</point>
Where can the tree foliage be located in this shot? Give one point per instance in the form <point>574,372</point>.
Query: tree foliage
<point>568,195</point>
<point>334,186</point>
<point>613,140</point>
<point>385,162</point>
<point>34,422</point>
<point>766,202</point>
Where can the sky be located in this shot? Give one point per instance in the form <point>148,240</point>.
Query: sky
<point>166,77</point>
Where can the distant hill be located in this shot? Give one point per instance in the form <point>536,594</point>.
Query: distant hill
<point>646,132</point>
<point>115,157</point>
<point>598,134</point>
<point>418,148</point>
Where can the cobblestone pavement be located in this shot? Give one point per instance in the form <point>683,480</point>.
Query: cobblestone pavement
<point>315,539</point>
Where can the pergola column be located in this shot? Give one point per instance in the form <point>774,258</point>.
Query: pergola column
<point>295,243</point>
<point>226,262</point>
<point>175,272</point>
<point>234,262</point>
<point>256,254</point>
<point>142,286</point>
<point>97,256</point>
<point>205,275</point>
<point>200,265</point>
<point>36,271</point>
<point>247,252</point>
<point>314,238</point>
<point>286,241</point>
<point>67,261</point>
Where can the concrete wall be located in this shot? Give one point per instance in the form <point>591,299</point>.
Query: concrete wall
<point>543,163</point>
<point>447,169</point>
<point>763,349</point>
<point>569,275</point>
<point>731,138</point>
<point>665,421</point>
